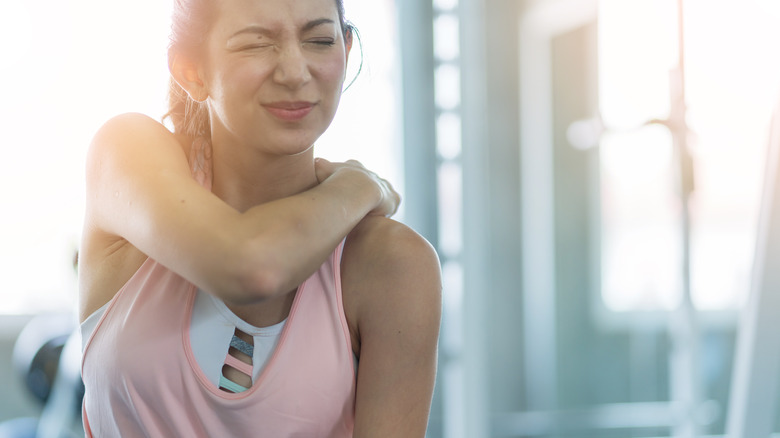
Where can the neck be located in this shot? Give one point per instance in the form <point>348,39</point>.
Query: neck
<point>244,177</point>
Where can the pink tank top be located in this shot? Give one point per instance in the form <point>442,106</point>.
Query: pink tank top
<point>142,380</point>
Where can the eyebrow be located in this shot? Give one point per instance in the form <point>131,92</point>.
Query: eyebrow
<point>265,31</point>
<point>314,23</point>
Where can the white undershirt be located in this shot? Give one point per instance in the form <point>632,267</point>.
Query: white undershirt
<point>211,329</point>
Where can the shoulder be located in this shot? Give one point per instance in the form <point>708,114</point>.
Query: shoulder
<point>133,129</point>
<point>391,279</point>
<point>132,123</point>
<point>124,151</point>
<point>383,248</point>
<point>127,145</point>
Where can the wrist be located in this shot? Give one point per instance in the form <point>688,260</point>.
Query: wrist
<point>359,186</point>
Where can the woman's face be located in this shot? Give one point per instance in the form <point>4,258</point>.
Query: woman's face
<point>274,70</point>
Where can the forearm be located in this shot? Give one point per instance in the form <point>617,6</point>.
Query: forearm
<point>282,242</point>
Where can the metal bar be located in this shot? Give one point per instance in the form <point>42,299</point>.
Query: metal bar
<point>476,218</point>
<point>418,117</point>
<point>603,417</point>
<point>684,328</point>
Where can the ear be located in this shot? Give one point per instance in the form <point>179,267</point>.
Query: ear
<point>348,36</point>
<point>185,72</point>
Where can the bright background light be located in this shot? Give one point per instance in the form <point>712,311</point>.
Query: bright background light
<point>733,84</point>
<point>68,66</point>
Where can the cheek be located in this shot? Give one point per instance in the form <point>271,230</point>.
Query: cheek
<point>331,72</point>
<point>246,75</point>
<point>234,91</point>
<point>330,77</point>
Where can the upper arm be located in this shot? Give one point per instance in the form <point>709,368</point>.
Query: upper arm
<point>139,188</point>
<point>393,293</point>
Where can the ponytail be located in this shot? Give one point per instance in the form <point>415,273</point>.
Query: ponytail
<point>189,117</point>
<point>190,23</point>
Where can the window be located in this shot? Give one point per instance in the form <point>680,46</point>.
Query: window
<point>72,66</point>
<point>732,85</point>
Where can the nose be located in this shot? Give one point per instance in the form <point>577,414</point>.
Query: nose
<point>292,69</point>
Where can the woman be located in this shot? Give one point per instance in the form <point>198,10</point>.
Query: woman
<point>219,296</point>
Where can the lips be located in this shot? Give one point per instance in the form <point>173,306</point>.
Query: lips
<point>289,111</point>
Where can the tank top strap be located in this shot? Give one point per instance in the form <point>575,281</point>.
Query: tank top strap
<point>200,161</point>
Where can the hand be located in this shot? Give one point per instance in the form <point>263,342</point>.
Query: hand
<point>389,198</point>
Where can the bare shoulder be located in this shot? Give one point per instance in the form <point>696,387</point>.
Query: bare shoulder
<point>133,123</point>
<point>125,150</point>
<point>384,249</point>
<point>126,145</point>
<point>134,130</point>
<point>391,279</point>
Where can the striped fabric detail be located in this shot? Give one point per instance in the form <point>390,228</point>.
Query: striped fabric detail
<point>233,365</point>
<point>242,346</point>
<point>231,386</point>
<point>238,364</point>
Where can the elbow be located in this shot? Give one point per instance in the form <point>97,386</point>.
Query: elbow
<point>252,273</point>
<point>247,285</point>
<point>264,267</point>
<point>259,283</point>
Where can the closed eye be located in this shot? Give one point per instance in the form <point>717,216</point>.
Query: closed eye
<point>326,42</point>
<point>253,47</point>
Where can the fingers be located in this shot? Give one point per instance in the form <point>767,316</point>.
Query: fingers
<point>390,201</point>
<point>323,169</point>
<point>397,201</point>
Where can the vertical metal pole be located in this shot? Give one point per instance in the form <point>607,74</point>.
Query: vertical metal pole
<point>418,116</point>
<point>476,217</point>
<point>684,327</point>
<point>538,217</point>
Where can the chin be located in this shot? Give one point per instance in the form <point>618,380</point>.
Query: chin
<point>294,143</point>
<point>298,141</point>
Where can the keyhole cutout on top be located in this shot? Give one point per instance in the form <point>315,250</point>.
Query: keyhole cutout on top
<point>237,371</point>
